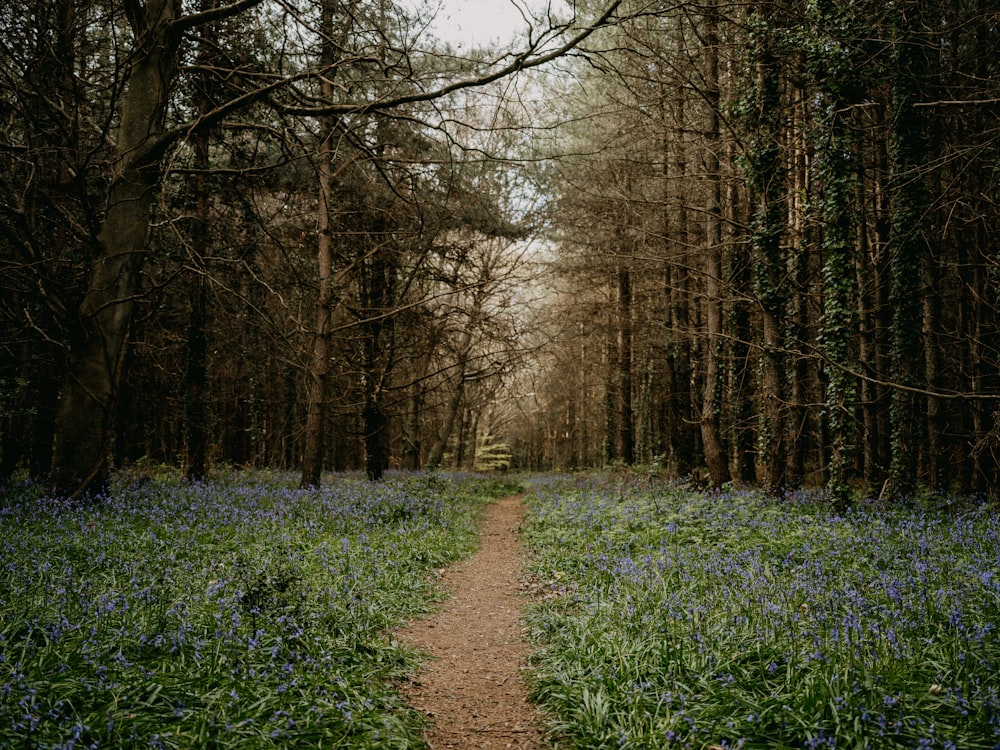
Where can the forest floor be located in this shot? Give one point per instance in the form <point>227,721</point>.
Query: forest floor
<point>472,689</point>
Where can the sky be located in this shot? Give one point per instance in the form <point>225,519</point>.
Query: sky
<point>476,23</point>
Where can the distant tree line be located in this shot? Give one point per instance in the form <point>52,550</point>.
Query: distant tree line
<point>778,259</point>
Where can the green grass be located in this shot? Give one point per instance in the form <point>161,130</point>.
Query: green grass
<point>684,619</point>
<point>239,613</point>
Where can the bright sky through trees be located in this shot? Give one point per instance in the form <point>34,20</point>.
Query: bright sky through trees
<point>478,23</point>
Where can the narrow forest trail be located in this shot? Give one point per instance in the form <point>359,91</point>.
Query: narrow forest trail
<point>472,689</point>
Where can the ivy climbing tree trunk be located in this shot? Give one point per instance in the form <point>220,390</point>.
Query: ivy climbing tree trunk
<point>766,177</point>
<point>908,247</point>
<point>836,77</point>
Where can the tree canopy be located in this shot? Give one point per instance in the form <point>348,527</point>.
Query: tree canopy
<point>745,243</point>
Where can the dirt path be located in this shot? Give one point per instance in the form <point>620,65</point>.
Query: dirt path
<point>472,689</point>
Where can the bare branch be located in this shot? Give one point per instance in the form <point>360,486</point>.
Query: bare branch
<point>193,20</point>
<point>523,61</point>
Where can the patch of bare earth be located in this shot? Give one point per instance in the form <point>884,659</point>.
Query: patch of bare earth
<point>471,689</point>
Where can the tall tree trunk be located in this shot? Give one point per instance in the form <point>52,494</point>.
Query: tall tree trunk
<point>316,392</point>
<point>681,442</point>
<point>85,422</point>
<point>377,367</point>
<point>767,178</point>
<point>412,444</point>
<point>290,394</point>
<point>435,457</point>
<point>380,272</point>
<point>319,369</point>
<point>626,420</point>
<point>612,398</point>
<point>908,246</point>
<point>836,169</point>
<point>741,380</point>
<point>800,369</point>
<point>868,361</point>
<point>742,388</point>
<point>681,434</point>
<point>47,384</point>
<point>715,454</point>
<point>463,350</point>
<point>839,320</point>
<point>937,450</point>
<point>195,378</point>
<point>196,370</point>
<point>376,430</point>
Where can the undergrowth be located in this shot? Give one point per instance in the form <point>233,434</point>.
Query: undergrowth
<point>727,620</point>
<point>237,613</point>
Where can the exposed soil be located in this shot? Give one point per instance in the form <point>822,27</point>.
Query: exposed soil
<point>471,689</point>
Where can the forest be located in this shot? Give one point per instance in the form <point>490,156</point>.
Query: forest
<point>750,243</point>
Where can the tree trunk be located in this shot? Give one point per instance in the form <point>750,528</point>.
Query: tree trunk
<point>380,275</point>
<point>908,245</point>
<point>290,394</point>
<point>715,454</point>
<point>196,371</point>
<point>376,429</point>
<point>195,379</point>
<point>412,445</point>
<point>680,445</point>
<point>868,361</point>
<point>377,367</point>
<point>315,434</point>
<point>800,370</point>
<point>937,450</point>
<point>835,163</point>
<point>47,384</point>
<point>612,398</point>
<point>626,421</point>
<point>767,178</point>
<point>85,422</point>
<point>410,459</point>
<point>435,457</point>
<point>742,389</point>
<point>678,416</point>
